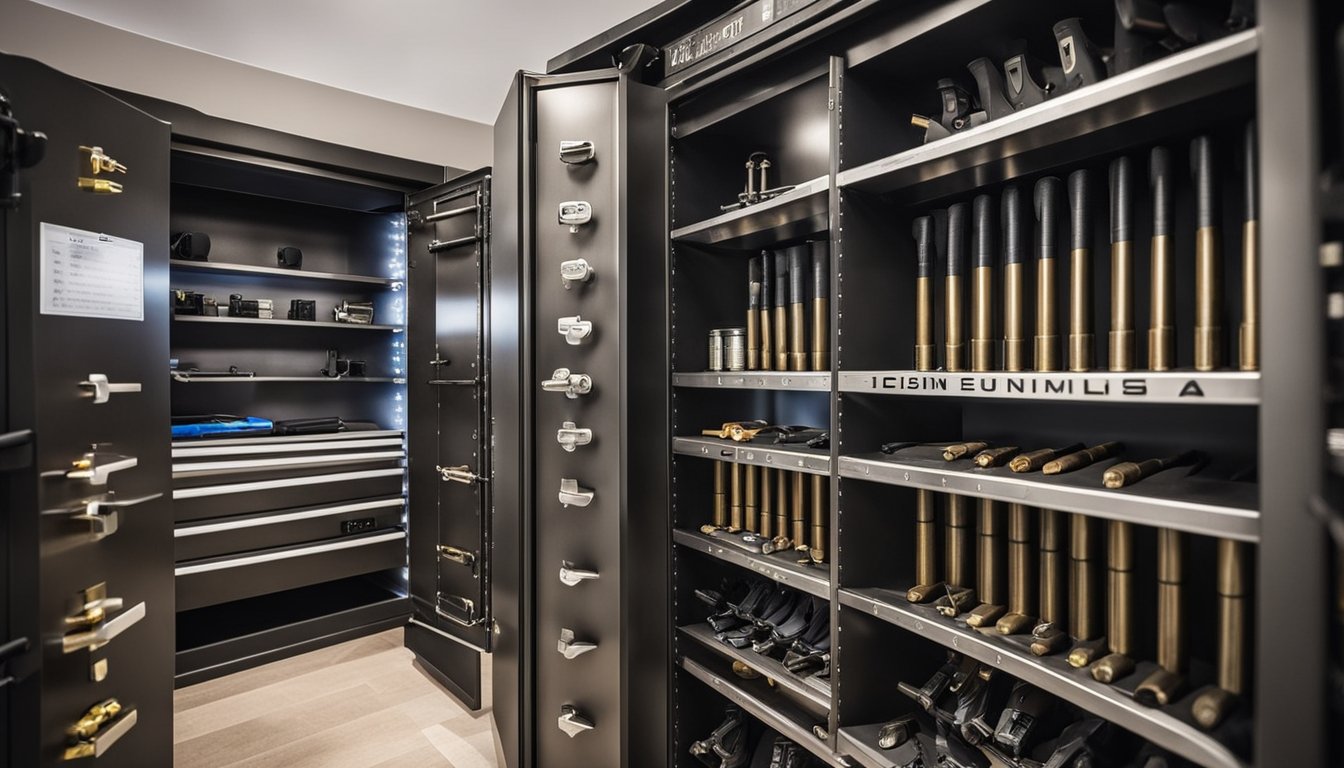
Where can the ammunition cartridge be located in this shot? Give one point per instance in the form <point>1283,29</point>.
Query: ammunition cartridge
<point>754,313</point>
<point>798,272</point>
<point>1161,317</point>
<point>954,328</point>
<point>1208,259</point>
<point>926,355</point>
<point>798,517</point>
<point>1121,338</point>
<point>1081,347</point>
<point>749,499</point>
<point>990,580</point>
<point>957,543</point>
<point>781,311</point>
<point>720,518</point>
<point>995,457</point>
<point>1021,597</point>
<point>821,306</point>
<point>958,450</point>
<point>1034,460</point>
<point>1046,342</point>
<point>734,497</point>
<point>982,286</point>
<point>1083,458</point>
<point>1014,281</point>
<point>767,340</point>
<point>820,515</point>
<point>1249,337</point>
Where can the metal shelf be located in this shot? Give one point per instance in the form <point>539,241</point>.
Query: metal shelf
<point>1177,387</point>
<point>859,743</point>
<point>279,321</point>
<point>295,274</point>
<point>810,688</point>
<point>783,567</point>
<point>796,458</point>
<point>1168,499</point>
<point>1165,727</point>
<point>1174,80</point>
<point>767,706</point>
<point>186,378</point>
<point>354,434</point>
<point>781,380</point>
<point>798,213</point>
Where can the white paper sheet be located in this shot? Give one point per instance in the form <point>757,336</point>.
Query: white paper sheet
<point>87,274</point>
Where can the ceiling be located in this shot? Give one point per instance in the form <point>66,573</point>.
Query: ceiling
<point>455,57</point>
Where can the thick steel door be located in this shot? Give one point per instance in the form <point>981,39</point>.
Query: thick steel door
<point>87,304</point>
<point>449,433</point>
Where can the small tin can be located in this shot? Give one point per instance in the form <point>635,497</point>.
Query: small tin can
<point>734,348</point>
<point>715,350</point>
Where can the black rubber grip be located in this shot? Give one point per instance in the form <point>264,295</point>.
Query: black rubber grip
<point>1080,210</point>
<point>1252,173</point>
<point>956,240</point>
<point>1159,176</point>
<point>1010,215</point>
<point>923,232</point>
<point>1122,201</point>
<point>982,235</point>
<point>767,280</point>
<point>821,269</point>
<point>781,279</point>
<point>797,274</point>
<point>1046,196</point>
<point>754,282</point>
<point>1201,170</point>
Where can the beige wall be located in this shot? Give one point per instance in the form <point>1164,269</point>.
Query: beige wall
<point>228,89</point>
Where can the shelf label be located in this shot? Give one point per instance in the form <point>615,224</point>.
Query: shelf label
<point>87,274</point>
<point>727,30</point>
<point>1229,387</point>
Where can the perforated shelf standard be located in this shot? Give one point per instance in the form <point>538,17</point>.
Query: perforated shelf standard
<point>1167,727</point>
<point>810,688</point>
<point>798,213</point>
<point>797,458</point>
<point>1168,387</point>
<point>293,274</point>
<point>782,567</point>
<point>1169,499</point>
<point>781,380</point>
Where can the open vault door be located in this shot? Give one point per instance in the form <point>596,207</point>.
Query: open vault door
<point>449,430</point>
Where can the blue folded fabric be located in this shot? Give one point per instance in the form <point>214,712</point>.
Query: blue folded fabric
<point>240,426</point>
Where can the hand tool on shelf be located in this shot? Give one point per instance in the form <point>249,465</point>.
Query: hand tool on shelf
<point>1028,82</point>
<point>989,580</point>
<point>820,520</point>
<point>1121,346</point>
<point>730,428</point>
<point>821,305</point>
<point>1081,348</point>
<point>927,586</point>
<point>781,321</point>
<point>960,111</point>
<point>1014,280</point>
<point>954,328</point>
<point>995,457</point>
<point>1212,705</point>
<point>1083,599</point>
<point>956,558</point>
<point>991,89</point>
<point>1045,355</point>
<point>1084,458</point>
<point>1127,473</point>
<point>1161,315</point>
<point>1049,636</point>
<point>983,340</point>
<point>1249,347</point>
<point>1079,59</point>
<point>766,322</point>
<point>926,355</point>
<point>1165,683</point>
<point>1021,598</point>
<point>734,497</point>
<point>1119,583</point>
<point>1208,259</point>
<point>1031,461</point>
<point>754,288</point>
<point>961,450</point>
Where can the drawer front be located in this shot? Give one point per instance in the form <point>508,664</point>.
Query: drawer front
<point>231,497</point>
<point>221,580</point>
<point>285,527</point>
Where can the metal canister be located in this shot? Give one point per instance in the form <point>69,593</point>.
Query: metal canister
<point>715,350</point>
<point>734,348</point>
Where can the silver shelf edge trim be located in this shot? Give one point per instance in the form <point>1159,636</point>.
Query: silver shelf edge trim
<point>204,467</point>
<point>799,192</point>
<point>284,482</point>
<point>758,455</point>
<point>270,557</point>
<point>267,439</point>
<point>805,582</point>
<point>807,381</point>
<point>213,450</point>
<point>197,530</point>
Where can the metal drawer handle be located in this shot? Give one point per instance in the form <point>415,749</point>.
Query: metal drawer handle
<point>460,610</point>
<point>455,555</point>
<point>103,389</point>
<point>101,514</point>
<point>575,271</point>
<point>572,384</point>
<point>570,436</point>
<point>572,493</point>
<point>572,723</point>
<point>571,576</point>
<point>576,152</point>
<point>94,639</point>
<point>95,467</point>
<point>575,329</point>
<point>288,554</point>
<point>571,649</point>
<point>97,731</point>
<point>459,474</point>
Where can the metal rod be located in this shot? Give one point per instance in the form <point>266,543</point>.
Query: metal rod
<point>797,301</point>
<point>1082,591</point>
<point>1081,349</point>
<point>1014,281</point>
<point>927,586</point>
<point>1121,344</point>
<point>990,578</point>
<point>1021,589</point>
<point>754,288</point>
<point>954,320</point>
<point>749,499</point>
<point>766,499</point>
<point>734,497</point>
<point>820,514</point>
<point>1249,347</point>
<point>1120,580</point>
<point>720,518</point>
<point>1046,347</point>
<point>958,541</point>
<point>798,517</point>
<point>1049,636</point>
<point>1166,683</point>
<point>1208,265</point>
<point>926,355</point>
<point>1161,316</point>
<point>781,321</point>
<point>821,306</point>
<point>982,285</point>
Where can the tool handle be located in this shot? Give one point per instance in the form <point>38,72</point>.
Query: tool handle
<point>767,280</point>
<point>1047,215</point>
<point>1010,213</point>
<point>956,239</point>
<point>754,283</point>
<point>1201,170</point>
<point>1252,176</point>
<point>821,269</point>
<point>1122,213</point>
<point>1080,206</point>
<point>1159,176</point>
<point>982,235</point>
<point>797,274</point>
<point>781,278</point>
<point>922,230</point>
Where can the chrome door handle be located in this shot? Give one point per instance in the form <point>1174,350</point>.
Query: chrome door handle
<point>101,514</point>
<point>459,474</point>
<point>575,329</point>
<point>572,723</point>
<point>576,152</point>
<point>572,384</point>
<point>455,555</point>
<point>574,214</point>
<point>103,389</point>
<point>572,493</point>
<point>570,576</point>
<point>571,649</point>
<point>94,639</point>
<point>575,271</point>
<point>94,468</point>
<point>570,436</point>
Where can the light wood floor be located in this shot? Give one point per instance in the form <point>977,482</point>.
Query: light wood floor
<point>361,704</point>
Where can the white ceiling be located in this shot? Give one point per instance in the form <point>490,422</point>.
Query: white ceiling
<point>455,57</point>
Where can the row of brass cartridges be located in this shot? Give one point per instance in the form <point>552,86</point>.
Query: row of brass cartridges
<point>783,285</point>
<point>1008,348</point>
<point>789,510</point>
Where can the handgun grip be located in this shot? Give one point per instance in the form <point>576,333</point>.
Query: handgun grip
<point>982,235</point>
<point>1080,206</point>
<point>956,239</point>
<point>1010,216</point>
<point>1122,214</point>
